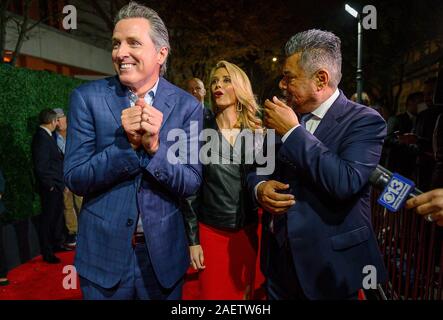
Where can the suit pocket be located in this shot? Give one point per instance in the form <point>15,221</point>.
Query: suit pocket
<point>349,239</point>
<point>95,214</point>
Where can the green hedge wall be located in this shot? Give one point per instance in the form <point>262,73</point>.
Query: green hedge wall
<point>23,94</point>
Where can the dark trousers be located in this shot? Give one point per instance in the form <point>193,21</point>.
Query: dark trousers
<point>3,267</point>
<point>139,282</point>
<point>282,281</point>
<point>51,230</point>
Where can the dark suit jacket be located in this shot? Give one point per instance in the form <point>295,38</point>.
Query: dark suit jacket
<point>329,228</point>
<point>48,161</point>
<point>401,158</point>
<point>404,124</point>
<point>118,183</point>
<point>437,178</point>
<point>425,127</point>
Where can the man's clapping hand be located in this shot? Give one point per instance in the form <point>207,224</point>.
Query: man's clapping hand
<point>151,122</point>
<point>131,122</point>
<point>142,124</point>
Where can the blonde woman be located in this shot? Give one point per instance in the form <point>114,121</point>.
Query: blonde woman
<point>222,225</point>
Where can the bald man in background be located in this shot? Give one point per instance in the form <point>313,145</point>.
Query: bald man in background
<point>196,87</point>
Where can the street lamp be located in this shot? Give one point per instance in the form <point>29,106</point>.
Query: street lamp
<point>359,77</point>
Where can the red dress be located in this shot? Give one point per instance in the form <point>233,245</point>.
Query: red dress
<point>230,260</point>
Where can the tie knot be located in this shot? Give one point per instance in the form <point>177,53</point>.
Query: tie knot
<point>305,118</point>
<point>150,98</point>
<point>133,97</point>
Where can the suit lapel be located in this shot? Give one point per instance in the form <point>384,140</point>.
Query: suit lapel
<point>329,121</point>
<point>51,140</point>
<point>164,99</point>
<point>118,99</point>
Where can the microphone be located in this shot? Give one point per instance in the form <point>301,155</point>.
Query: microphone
<point>396,188</point>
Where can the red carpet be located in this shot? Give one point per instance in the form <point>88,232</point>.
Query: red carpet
<point>37,280</point>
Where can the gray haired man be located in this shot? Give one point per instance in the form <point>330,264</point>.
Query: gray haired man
<point>317,234</point>
<point>131,241</point>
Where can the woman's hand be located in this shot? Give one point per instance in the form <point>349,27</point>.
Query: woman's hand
<point>197,257</point>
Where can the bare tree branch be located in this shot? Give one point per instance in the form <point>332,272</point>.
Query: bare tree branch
<point>22,31</point>
<point>3,22</point>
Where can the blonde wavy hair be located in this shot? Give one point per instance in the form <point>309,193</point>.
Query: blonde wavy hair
<point>248,116</point>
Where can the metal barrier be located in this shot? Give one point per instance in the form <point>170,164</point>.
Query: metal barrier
<point>412,250</point>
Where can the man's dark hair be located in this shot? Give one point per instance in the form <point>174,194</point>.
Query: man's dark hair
<point>46,116</point>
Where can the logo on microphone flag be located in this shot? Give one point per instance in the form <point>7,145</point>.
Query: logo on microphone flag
<point>396,192</point>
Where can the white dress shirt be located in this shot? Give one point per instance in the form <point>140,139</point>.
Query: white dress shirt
<point>149,100</point>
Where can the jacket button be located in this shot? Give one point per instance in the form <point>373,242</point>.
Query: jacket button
<point>156,173</point>
<point>130,222</point>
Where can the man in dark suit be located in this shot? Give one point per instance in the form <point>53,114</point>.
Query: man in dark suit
<point>400,140</point>
<point>426,121</point>
<point>317,234</point>
<point>131,241</point>
<point>48,168</point>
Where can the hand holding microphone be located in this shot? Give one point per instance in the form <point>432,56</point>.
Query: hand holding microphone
<point>398,189</point>
<point>429,204</point>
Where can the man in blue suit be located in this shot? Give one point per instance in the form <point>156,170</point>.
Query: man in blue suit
<point>131,238</point>
<point>317,235</point>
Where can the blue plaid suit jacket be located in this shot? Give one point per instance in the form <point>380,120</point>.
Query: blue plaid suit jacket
<point>118,183</point>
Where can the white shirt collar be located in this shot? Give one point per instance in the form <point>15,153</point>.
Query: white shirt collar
<point>148,99</point>
<point>154,88</point>
<point>324,107</point>
<point>47,130</point>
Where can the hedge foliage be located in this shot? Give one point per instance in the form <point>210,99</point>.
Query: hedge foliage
<point>23,94</point>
